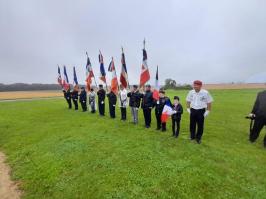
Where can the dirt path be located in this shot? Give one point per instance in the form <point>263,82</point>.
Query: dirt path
<point>8,189</point>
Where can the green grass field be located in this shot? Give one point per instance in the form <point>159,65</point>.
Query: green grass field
<point>59,153</point>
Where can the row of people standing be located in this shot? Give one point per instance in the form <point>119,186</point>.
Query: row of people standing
<point>198,106</point>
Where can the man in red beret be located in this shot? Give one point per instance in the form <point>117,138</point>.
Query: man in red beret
<point>198,106</point>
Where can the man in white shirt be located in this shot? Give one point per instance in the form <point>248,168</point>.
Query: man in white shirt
<point>198,106</point>
<point>123,102</point>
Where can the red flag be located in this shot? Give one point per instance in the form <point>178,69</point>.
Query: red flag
<point>59,78</point>
<point>145,74</point>
<point>114,82</point>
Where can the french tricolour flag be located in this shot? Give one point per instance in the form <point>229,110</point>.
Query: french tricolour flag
<point>114,81</point>
<point>89,73</point>
<point>167,112</point>
<point>59,78</point>
<point>75,79</point>
<point>155,93</point>
<point>65,80</point>
<point>145,74</point>
<point>102,70</point>
<point>123,75</point>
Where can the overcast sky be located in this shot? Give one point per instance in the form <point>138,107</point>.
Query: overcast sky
<point>215,41</point>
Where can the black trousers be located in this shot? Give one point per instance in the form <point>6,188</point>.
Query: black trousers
<point>101,108</point>
<point>83,105</point>
<point>147,116</point>
<point>112,110</point>
<point>123,113</point>
<point>255,132</point>
<point>196,121</point>
<point>176,126</point>
<point>75,102</point>
<point>69,103</point>
<point>160,125</point>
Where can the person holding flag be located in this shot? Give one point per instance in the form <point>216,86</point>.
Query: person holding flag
<point>83,99</point>
<point>160,108</point>
<point>66,89</point>
<point>75,92</point>
<point>145,74</point>
<point>147,105</point>
<point>114,89</point>
<point>101,100</point>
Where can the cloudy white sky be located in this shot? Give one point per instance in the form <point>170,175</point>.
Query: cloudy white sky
<point>215,41</point>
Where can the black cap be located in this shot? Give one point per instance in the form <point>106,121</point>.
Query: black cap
<point>176,98</point>
<point>100,86</point>
<point>148,86</point>
<point>82,87</point>
<point>135,86</point>
<point>91,89</point>
<point>162,91</point>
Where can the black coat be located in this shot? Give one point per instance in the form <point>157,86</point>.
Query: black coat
<point>179,111</point>
<point>101,95</point>
<point>147,100</point>
<point>112,98</point>
<point>259,108</point>
<point>134,99</point>
<point>159,106</point>
<point>75,95</point>
<point>68,95</point>
<point>83,96</point>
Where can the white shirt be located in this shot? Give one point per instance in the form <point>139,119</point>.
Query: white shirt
<point>199,100</point>
<point>123,98</point>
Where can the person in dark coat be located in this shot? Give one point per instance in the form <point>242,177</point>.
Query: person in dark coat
<point>75,96</point>
<point>159,105</point>
<point>67,95</point>
<point>134,103</point>
<point>147,105</point>
<point>83,99</point>
<point>176,117</point>
<point>112,103</point>
<point>101,100</point>
<point>259,114</point>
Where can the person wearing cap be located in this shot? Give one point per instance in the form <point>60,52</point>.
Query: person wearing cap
<point>159,105</point>
<point>176,117</point>
<point>92,97</point>
<point>147,105</point>
<point>134,103</point>
<point>101,100</point>
<point>75,96</point>
<point>67,95</point>
<point>198,106</point>
<point>112,103</point>
<point>259,114</point>
<point>83,99</point>
<point>123,102</point>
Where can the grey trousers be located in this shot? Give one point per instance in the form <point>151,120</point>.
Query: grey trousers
<point>134,114</point>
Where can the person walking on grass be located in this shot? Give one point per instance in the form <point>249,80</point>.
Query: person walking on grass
<point>67,95</point>
<point>75,96</point>
<point>176,117</point>
<point>134,103</point>
<point>258,113</point>
<point>198,106</point>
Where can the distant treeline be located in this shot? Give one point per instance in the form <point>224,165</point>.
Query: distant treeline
<point>28,87</point>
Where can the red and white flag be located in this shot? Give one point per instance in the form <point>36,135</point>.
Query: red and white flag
<point>89,74</point>
<point>123,75</point>
<point>145,74</point>
<point>59,78</point>
<point>167,112</point>
<point>114,81</point>
<point>155,93</point>
<point>65,81</point>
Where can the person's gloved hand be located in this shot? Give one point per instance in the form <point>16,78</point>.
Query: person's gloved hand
<point>206,113</point>
<point>251,115</point>
<point>188,110</point>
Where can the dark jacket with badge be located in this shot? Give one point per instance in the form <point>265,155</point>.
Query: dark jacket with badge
<point>134,99</point>
<point>259,108</point>
<point>101,95</point>
<point>160,104</point>
<point>83,96</point>
<point>75,95</point>
<point>112,98</point>
<point>179,111</point>
<point>147,100</point>
<point>67,95</point>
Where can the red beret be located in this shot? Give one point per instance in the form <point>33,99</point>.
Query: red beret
<point>198,82</point>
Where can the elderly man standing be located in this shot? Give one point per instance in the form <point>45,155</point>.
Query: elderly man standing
<point>198,106</point>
